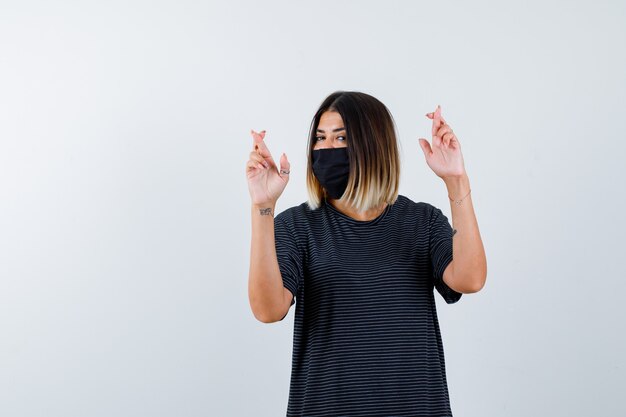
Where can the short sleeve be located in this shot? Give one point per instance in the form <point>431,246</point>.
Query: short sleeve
<point>289,257</point>
<point>440,244</point>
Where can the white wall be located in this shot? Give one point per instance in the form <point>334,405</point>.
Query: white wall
<point>125,216</point>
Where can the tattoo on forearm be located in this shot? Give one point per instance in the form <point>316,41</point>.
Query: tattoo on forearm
<point>266,211</point>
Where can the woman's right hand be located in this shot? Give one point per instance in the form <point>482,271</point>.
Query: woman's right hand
<point>265,182</point>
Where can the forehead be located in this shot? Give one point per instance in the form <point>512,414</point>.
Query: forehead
<point>330,120</point>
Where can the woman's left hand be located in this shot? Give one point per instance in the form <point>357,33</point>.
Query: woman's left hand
<point>445,157</point>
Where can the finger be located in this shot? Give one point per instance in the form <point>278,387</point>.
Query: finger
<point>285,166</point>
<point>258,158</point>
<point>425,147</point>
<point>447,138</point>
<point>256,136</point>
<point>253,166</point>
<point>436,121</point>
<point>260,146</point>
<point>431,114</point>
<point>443,130</point>
<point>440,115</point>
<point>454,142</point>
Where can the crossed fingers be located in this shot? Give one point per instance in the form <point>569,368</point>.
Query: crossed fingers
<point>441,129</point>
<point>259,145</point>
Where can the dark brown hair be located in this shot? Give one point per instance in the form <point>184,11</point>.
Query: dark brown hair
<point>372,148</point>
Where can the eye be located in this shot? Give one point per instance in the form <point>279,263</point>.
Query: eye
<point>344,138</point>
<point>319,138</point>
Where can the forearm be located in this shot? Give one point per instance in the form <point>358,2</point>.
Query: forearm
<point>265,284</point>
<point>469,260</point>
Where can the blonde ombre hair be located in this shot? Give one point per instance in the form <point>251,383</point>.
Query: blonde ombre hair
<point>372,148</point>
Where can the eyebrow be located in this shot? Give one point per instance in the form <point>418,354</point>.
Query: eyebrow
<point>335,130</point>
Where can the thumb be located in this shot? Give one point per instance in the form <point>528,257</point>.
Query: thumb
<point>425,146</point>
<point>284,166</point>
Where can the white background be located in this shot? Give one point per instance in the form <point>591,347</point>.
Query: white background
<point>125,213</point>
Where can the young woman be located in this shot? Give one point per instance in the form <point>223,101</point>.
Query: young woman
<point>362,262</point>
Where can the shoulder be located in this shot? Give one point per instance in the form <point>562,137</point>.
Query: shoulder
<point>422,213</point>
<point>407,206</point>
<point>297,216</point>
<point>296,222</point>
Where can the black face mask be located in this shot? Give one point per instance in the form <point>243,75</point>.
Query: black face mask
<point>331,167</point>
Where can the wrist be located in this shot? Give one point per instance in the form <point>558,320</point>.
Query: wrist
<point>264,209</point>
<point>458,186</point>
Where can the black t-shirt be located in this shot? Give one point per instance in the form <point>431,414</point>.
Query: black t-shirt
<point>366,338</point>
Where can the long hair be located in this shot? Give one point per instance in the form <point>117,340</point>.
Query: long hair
<point>372,148</point>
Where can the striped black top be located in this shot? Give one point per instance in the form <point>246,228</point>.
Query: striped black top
<point>366,338</point>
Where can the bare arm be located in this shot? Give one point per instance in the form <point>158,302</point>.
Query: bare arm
<point>269,299</point>
<point>467,272</point>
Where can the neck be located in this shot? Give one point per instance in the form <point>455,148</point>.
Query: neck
<point>366,215</point>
